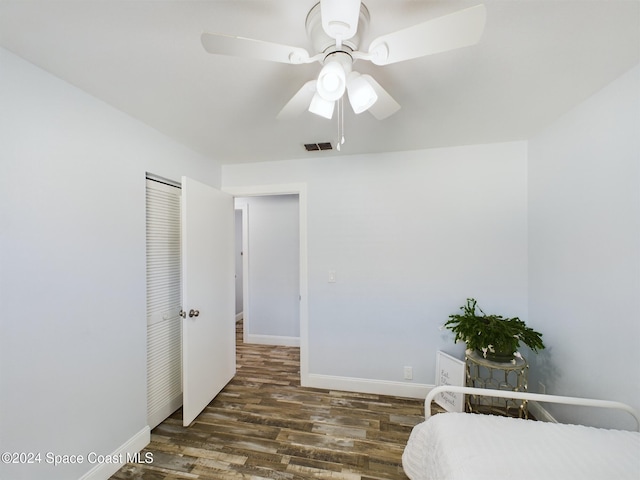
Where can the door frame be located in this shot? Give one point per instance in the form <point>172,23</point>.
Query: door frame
<point>246,316</point>
<point>289,189</point>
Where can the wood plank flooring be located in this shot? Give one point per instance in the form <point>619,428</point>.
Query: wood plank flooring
<point>264,425</point>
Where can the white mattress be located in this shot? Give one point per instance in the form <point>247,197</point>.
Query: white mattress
<point>462,446</point>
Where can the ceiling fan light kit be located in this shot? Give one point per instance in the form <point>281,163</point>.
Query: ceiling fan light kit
<point>335,28</point>
<point>335,77</point>
<point>322,107</point>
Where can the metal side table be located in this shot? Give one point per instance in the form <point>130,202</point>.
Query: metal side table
<point>483,373</point>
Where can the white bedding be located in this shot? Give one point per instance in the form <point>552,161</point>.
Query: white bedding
<point>462,446</point>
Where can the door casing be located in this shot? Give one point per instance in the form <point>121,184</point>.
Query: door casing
<point>287,189</point>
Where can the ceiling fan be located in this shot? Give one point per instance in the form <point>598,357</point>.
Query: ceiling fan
<point>335,28</point>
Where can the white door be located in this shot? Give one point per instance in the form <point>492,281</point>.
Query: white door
<point>208,297</point>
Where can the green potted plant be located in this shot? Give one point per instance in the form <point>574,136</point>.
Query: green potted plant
<point>494,337</point>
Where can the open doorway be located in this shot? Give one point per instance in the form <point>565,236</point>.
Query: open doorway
<point>269,265</point>
<point>300,191</point>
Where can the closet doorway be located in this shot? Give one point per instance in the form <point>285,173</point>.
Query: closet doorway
<point>190,329</point>
<point>164,300</point>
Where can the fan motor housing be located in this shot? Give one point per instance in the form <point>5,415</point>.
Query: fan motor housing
<point>323,43</point>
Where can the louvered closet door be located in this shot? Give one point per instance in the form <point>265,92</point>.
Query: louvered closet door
<point>164,300</point>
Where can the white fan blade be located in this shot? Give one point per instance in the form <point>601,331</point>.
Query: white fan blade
<point>340,18</point>
<point>249,48</point>
<point>456,30</point>
<point>299,102</point>
<point>386,105</point>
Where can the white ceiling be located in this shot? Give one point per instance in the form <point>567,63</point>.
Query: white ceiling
<point>536,60</point>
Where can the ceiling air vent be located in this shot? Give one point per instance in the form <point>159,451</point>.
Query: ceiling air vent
<point>312,147</point>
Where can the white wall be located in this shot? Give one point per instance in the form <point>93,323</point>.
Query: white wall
<point>584,257</point>
<point>273,315</point>
<point>410,235</point>
<point>72,268</point>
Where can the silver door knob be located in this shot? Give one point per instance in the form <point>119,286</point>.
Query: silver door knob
<point>194,313</point>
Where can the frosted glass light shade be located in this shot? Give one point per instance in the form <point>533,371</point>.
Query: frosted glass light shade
<point>331,81</point>
<point>322,107</point>
<point>361,93</point>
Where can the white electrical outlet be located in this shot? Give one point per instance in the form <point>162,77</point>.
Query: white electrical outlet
<point>332,276</point>
<point>408,373</point>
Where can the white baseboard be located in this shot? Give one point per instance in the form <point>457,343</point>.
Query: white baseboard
<point>102,471</point>
<point>396,389</point>
<point>364,385</point>
<point>273,340</point>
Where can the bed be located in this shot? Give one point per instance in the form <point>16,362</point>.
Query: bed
<point>465,446</point>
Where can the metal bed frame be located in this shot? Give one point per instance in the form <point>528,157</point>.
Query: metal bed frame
<point>536,397</point>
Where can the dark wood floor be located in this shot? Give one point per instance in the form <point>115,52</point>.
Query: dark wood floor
<point>264,425</point>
